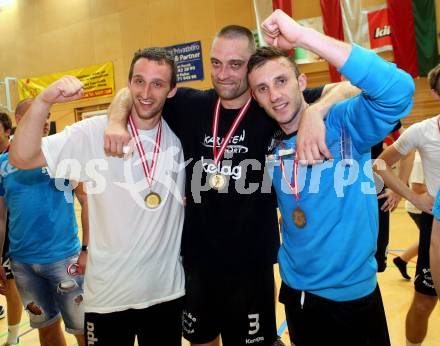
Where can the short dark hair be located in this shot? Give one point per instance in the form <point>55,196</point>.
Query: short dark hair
<point>238,31</point>
<point>434,79</point>
<point>5,120</point>
<point>23,105</point>
<point>161,55</point>
<point>264,54</point>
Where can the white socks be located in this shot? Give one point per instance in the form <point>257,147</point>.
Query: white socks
<point>13,334</point>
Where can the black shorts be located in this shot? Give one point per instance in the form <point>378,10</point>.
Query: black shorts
<point>417,218</point>
<point>423,282</point>
<point>240,307</point>
<point>159,324</point>
<point>383,237</point>
<point>320,321</point>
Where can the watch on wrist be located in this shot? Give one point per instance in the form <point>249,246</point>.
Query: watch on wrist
<point>84,248</point>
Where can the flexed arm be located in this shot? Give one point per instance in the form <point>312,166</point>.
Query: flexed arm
<point>387,90</point>
<point>25,151</point>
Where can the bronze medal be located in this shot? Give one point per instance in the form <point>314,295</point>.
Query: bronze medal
<point>217,181</point>
<point>299,217</point>
<point>152,200</point>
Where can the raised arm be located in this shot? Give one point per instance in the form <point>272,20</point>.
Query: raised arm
<point>387,91</point>
<point>25,151</point>
<point>116,135</point>
<point>282,31</point>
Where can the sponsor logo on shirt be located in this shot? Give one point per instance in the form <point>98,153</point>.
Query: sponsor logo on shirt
<point>255,340</point>
<point>211,168</point>
<point>234,145</point>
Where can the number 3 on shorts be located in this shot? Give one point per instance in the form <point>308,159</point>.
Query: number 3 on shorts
<point>254,323</point>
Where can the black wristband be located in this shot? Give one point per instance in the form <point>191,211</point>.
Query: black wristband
<point>84,248</point>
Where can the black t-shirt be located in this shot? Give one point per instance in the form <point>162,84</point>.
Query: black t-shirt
<point>377,149</point>
<point>236,228</point>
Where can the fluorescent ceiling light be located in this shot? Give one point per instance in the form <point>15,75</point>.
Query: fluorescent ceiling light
<point>4,3</point>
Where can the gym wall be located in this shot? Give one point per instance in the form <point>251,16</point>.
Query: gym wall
<point>39,37</point>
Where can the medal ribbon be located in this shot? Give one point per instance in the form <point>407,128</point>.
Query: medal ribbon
<point>148,170</point>
<point>219,154</point>
<point>293,188</point>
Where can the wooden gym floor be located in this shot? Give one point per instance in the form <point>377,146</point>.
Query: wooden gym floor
<point>397,294</point>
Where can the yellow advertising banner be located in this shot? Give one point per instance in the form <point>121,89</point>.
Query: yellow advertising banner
<point>98,81</point>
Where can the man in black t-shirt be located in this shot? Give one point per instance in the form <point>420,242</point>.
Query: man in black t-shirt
<point>230,237</point>
<point>383,236</point>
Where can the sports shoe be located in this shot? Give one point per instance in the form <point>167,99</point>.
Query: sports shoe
<point>401,265</point>
<point>2,312</point>
<point>278,343</point>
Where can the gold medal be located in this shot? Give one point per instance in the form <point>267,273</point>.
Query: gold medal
<point>299,217</point>
<point>217,181</point>
<point>152,200</point>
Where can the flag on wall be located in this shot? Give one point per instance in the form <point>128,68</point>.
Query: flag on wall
<point>346,20</point>
<point>341,19</point>
<point>408,27</point>
<point>414,37</point>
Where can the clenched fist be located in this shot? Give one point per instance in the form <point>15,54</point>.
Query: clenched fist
<point>65,89</point>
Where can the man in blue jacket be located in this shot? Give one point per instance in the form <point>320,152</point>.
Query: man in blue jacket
<point>329,210</point>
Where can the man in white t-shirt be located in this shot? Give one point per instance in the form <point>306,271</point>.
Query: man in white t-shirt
<point>425,137</point>
<point>134,281</point>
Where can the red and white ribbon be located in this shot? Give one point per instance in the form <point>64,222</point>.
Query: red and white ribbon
<point>148,170</point>
<point>293,188</point>
<point>218,154</point>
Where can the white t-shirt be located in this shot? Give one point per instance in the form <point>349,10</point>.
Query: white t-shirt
<point>134,252</point>
<point>415,177</point>
<point>425,137</point>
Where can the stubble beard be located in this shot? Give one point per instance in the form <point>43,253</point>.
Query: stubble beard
<point>230,94</point>
<point>146,115</point>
